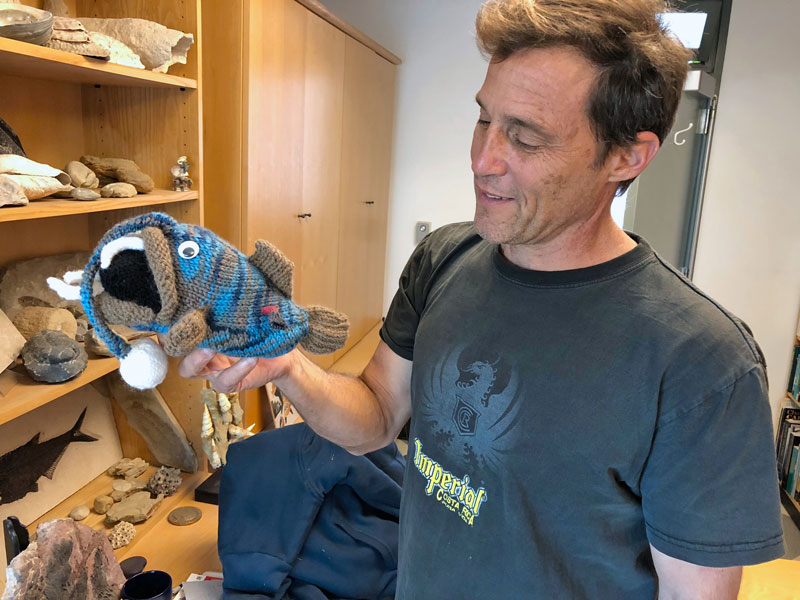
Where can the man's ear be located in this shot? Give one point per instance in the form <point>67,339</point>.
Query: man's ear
<point>626,163</point>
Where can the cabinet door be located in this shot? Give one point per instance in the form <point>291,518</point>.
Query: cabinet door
<point>369,82</point>
<point>316,267</point>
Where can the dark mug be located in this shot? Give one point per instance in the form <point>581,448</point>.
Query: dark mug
<point>150,585</point>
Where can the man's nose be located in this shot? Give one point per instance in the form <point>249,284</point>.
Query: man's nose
<point>489,152</point>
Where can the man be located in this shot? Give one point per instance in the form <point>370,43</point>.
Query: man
<point>585,423</point>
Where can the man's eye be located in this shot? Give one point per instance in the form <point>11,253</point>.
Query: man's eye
<point>483,123</point>
<point>522,145</point>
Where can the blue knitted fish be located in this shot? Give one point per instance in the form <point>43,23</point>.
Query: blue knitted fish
<point>196,290</point>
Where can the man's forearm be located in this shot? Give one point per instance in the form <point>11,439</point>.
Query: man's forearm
<point>341,408</point>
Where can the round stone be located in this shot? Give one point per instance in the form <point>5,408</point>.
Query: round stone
<point>52,357</point>
<point>102,504</point>
<point>121,485</point>
<point>133,566</point>
<point>185,515</point>
<point>79,513</point>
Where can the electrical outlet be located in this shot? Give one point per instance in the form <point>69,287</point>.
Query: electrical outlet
<point>421,229</point>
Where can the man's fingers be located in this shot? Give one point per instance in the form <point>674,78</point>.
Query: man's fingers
<point>230,379</point>
<point>194,363</point>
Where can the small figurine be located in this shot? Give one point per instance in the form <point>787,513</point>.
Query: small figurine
<point>180,176</point>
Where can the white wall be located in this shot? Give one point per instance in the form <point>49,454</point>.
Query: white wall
<point>435,114</point>
<point>748,254</point>
<point>749,248</point>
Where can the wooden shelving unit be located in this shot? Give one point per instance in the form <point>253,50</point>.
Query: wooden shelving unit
<point>27,395</point>
<point>55,207</point>
<point>177,550</point>
<point>26,60</point>
<point>63,106</point>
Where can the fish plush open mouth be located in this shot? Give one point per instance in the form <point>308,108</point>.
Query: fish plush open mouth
<point>127,276</point>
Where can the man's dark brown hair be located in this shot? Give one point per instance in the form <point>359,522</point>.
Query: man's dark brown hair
<point>641,68</point>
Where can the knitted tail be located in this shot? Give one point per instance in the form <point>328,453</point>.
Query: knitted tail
<point>327,330</point>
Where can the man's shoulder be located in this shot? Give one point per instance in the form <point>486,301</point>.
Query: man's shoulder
<point>703,328</point>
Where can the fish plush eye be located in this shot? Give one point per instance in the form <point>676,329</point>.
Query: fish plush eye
<point>188,249</point>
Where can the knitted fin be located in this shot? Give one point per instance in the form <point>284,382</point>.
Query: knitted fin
<point>274,265</point>
<point>327,330</point>
<point>186,334</point>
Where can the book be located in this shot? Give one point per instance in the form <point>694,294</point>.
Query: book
<point>793,372</point>
<point>791,478</point>
<point>791,443</point>
<point>790,417</point>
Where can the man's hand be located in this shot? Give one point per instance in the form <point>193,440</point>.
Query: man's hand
<point>228,374</point>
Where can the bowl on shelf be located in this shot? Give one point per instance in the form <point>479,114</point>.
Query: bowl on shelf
<point>26,24</point>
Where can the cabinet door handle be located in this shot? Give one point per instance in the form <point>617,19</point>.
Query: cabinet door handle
<point>369,202</point>
<point>304,216</point>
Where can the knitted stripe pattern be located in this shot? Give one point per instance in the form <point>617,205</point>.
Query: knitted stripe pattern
<point>245,313</point>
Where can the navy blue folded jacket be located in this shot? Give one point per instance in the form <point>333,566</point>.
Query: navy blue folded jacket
<point>302,519</point>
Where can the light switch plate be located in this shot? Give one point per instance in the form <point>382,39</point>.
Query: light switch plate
<point>421,229</point>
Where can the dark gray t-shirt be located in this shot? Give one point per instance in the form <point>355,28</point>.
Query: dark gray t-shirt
<point>562,421</point>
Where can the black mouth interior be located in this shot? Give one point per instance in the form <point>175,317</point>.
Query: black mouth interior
<point>129,278</point>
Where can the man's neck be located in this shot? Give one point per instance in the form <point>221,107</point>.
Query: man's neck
<point>589,244</point>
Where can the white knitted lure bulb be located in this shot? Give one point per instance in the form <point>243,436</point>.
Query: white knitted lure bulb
<point>145,366</point>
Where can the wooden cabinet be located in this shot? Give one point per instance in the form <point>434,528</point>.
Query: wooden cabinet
<point>63,106</point>
<point>298,127</point>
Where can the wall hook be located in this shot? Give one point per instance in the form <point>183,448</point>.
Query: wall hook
<point>677,133</point>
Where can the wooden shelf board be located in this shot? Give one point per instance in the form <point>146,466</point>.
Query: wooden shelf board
<point>56,207</point>
<point>37,62</point>
<point>27,395</point>
<point>176,550</point>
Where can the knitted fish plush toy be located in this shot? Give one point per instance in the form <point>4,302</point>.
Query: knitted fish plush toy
<point>196,290</point>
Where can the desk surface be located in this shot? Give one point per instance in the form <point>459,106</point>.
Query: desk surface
<point>775,580</point>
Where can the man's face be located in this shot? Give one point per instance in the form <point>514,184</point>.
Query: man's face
<point>533,151</point>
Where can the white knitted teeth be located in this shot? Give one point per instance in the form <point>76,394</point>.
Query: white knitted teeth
<point>114,247</point>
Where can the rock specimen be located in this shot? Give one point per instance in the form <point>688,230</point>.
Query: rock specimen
<point>9,141</point>
<point>121,534</point>
<point>118,190</point>
<point>120,169</point>
<point>133,566</point>
<point>91,49</point>
<point>102,504</point>
<point>53,357</point>
<point>135,508</point>
<point>11,192</point>
<point>120,53</point>
<point>68,561</point>
<point>37,180</point>
<point>158,47</point>
<point>165,480</point>
<point>94,344</point>
<point>26,24</point>
<point>81,175</point>
<point>125,487</point>
<point>79,513</point>
<point>68,30</point>
<point>11,342</point>
<point>83,194</point>
<point>128,468</point>
<point>185,515</point>
<point>149,415</point>
<point>24,283</point>
<point>33,319</point>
